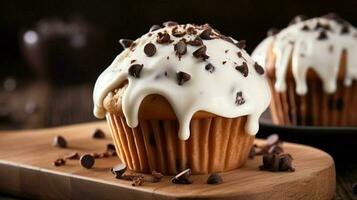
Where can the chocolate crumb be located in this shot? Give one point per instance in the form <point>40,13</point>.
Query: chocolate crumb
<point>226,51</point>
<point>259,69</point>
<point>239,54</point>
<point>163,38</point>
<point>156,176</point>
<point>59,141</point>
<point>196,42</point>
<point>72,156</point>
<point>169,23</point>
<point>209,67</point>
<point>59,162</point>
<point>126,43</point>
<point>118,170</point>
<point>241,44</point>
<point>98,134</point>
<point>271,162</point>
<point>214,178</point>
<point>180,48</point>
<point>149,49</point>
<point>95,155</point>
<point>87,161</point>
<point>132,61</point>
<point>182,77</point>
<point>239,98</point>
<point>138,181</point>
<point>168,58</point>
<point>285,163</point>
<point>182,177</point>
<point>224,62</point>
<point>154,27</point>
<point>243,69</point>
<point>206,34</point>
<point>135,70</point>
<point>272,31</point>
<point>322,35</point>
<point>201,52</point>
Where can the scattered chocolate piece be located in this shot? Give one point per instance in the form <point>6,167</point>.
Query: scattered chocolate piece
<point>95,155</point>
<point>239,54</point>
<point>182,177</point>
<point>272,139</point>
<point>156,176</point>
<point>243,69</point>
<point>180,48</point>
<point>201,52</point>
<point>345,29</point>
<point>110,147</point>
<point>239,98</point>
<point>298,18</point>
<point>72,156</point>
<point>138,181</point>
<point>206,34</point>
<point>163,38</point>
<point>59,141</point>
<point>130,177</point>
<point>182,77</point>
<point>259,69</point>
<point>272,31</point>
<point>322,35</point>
<point>270,162</point>
<point>196,42</point>
<point>241,44</point>
<point>104,154</point>
<point>191,30</point>
<point>209,67</point>
<point>98,134</point>
<point>177,33</point>
<point>224,62</point>
<point>150,49</point>
<point>154,27</point>
<point>169,23</point>
<point>135,70</point>
<point>305,28</point>
<point>59,162</point>
<point>132,61</point>
<point>126,43</point>
<point>214,179</point>
<point>118,170</point>
<point>285,163</point>
<point>87,161</point>
<point>226,51</point>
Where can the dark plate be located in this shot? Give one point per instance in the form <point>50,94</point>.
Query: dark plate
<point>340,142</point>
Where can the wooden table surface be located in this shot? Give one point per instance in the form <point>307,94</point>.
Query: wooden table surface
<point>40,104</point>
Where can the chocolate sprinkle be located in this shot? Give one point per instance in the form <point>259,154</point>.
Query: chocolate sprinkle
<point>169,23</point>
<point>154,27</point>
<point>180,48</point>
<point>201,52</point>
<point>126,43</point>
<point>259,69</point>
<point>243,69</point>
<point>182,77</point>
<point>163,38</point>
<point>150,49</point>
<point>206,34</point>
<point>241,44</point>
<point>209,67</point>
<point>239,98</point>
<point>322,35</point>
<point>272,31</point>
<point>135,70</point>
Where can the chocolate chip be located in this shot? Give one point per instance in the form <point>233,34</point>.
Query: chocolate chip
<point>285,163</point>
<point>272,139</point>
<point>345,29</point>
<point>163,38</point>
<point>118,170</point>
<point>98,134</point>
<point>138,181</point>
<point>154,27</point>
<point>305,28</point>
<point>226,51</point>
<point>72,156</point>
<point>126,43</point>
<point>180,48</point>
<point>182,177</point>
<point>298,18</point>
<point>201,52</point>
<point>209,67</point>
<point>58,162</point>
<point>272,31</point>
<point>241,44</point>
<point>239,98</point>
<point>239,54</point>
<point>156,176</point>
<point>149,49</point>
<point>259,69</point>
<point>182,77</point>
<point>87,161</point>
<point>322,36</point>
<point>135,70</point>
<point>214,178</point>
<point>191,30</point>
<point>206,34</point>
<point>224,62</point>
<point>196,42</point>
<point>271,162</point>
<point>59,141</point>
<point>177,33</point>
<point>110,147</point>
<point>243,69</point>
<point>169,23</point>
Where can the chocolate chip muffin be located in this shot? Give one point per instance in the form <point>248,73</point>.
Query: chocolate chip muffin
<point>312,71</point>
<point>182,96</point>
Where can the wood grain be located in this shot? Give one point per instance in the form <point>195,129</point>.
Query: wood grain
<point>26,169</point>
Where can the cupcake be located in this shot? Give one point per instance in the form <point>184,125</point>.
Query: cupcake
<point>182,96</point>
<point>312,70</point>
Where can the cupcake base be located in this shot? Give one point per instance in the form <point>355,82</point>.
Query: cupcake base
<point>216,144</point>
<point>316,108</point>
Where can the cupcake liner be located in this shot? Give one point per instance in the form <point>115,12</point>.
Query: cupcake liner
<point>216,144</point>
<point>316,108</point>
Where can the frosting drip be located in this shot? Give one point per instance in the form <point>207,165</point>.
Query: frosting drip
<point>315,44</point>
<point>195,76</point>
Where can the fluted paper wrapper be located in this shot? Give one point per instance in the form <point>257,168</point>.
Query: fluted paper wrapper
<point>316,108</point>
<point>216,144</point>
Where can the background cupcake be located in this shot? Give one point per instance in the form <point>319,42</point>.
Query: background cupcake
<point>182,96</point>
<point>312,70</point>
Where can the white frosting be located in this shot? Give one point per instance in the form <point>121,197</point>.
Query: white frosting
<point>212,92</point>
<point>306,52</point>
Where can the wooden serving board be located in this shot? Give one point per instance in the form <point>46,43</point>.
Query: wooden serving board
<point>26,169</point>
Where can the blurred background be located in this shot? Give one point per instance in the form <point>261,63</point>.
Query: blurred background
<point>52,51</point>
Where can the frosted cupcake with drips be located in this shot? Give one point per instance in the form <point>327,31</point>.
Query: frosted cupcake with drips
<point>312,70</point>
<point>182,96</point>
